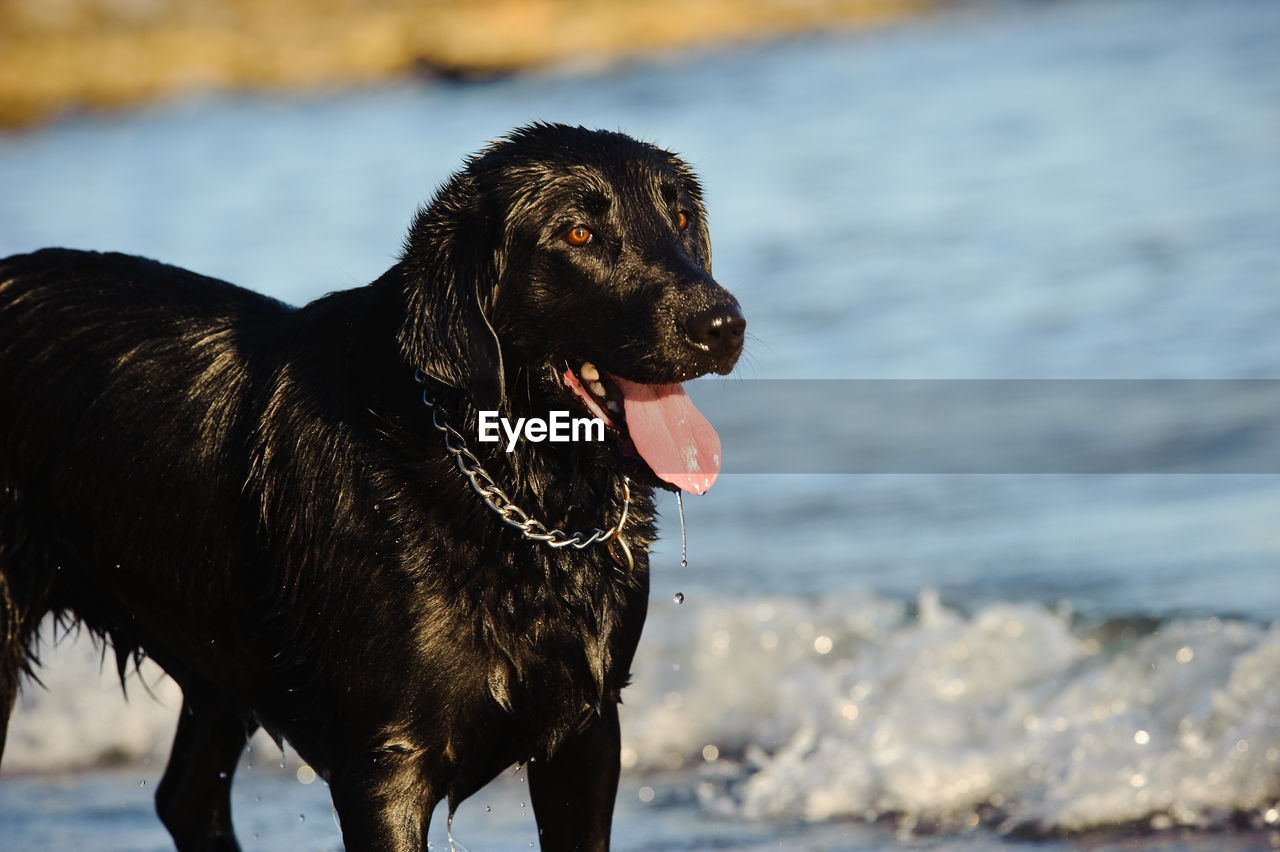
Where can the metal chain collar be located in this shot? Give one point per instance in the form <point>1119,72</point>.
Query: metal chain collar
<point>497,500</point>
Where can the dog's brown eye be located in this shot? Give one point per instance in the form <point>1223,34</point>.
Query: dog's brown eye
<point>578,236</point>
<point>682,220</point>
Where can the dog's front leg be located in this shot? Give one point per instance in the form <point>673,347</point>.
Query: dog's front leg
<point>384,804</point>
<point>573,791</point>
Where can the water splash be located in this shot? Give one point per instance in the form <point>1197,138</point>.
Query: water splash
<point>855,706</point>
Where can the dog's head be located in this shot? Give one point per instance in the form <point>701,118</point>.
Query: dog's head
<point>572,269</point>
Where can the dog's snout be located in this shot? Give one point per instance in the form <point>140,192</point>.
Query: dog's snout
<point>718,331</point>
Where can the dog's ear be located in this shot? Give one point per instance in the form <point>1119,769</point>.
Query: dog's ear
<point>449,275</point>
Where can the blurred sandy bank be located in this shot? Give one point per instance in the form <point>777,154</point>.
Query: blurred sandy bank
<point>67,55</point>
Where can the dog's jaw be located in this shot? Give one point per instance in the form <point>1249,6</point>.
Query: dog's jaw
<point>601,396</point>
<point>657,423</point>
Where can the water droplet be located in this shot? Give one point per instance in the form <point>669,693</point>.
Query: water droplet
<point>488,809</point>
<point>222,775</point>
<point>678,597</point>
<point>142,783</point>
<point>302,817</point>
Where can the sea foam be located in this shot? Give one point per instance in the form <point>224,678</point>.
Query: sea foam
<point>1012,716</point>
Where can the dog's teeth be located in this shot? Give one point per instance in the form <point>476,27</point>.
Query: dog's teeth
<point>612,406</point>
<point>596,388</point>
<point>589,373</point>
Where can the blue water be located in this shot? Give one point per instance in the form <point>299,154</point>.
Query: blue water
<point>1082,190</point>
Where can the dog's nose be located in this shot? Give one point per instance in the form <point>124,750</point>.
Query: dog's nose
<point>718,330</point>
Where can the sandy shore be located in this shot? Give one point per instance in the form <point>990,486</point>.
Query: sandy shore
<point>100,54</point>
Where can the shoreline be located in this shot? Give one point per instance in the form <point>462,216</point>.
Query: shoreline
<point>101,55</point>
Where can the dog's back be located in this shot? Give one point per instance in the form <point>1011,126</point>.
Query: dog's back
<point>122,382</point>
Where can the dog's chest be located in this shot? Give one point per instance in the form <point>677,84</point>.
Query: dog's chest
<point>569,657</point>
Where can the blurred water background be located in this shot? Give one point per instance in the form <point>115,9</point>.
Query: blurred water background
<point>904,659</point>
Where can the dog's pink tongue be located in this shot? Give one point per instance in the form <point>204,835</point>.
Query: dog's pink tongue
<point>671,435</point>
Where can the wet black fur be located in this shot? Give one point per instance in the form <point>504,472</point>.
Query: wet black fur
<point>254,496</point>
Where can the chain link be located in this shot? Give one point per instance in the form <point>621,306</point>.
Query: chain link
<point>497,500</point>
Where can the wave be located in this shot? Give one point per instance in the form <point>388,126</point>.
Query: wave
<point>1015,715</point>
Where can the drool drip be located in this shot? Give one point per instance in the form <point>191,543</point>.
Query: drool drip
<point>684,542</point>
<point>678,597</point>
<point>454,846</point>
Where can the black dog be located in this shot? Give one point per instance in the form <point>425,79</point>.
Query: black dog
<point>291,512</point>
